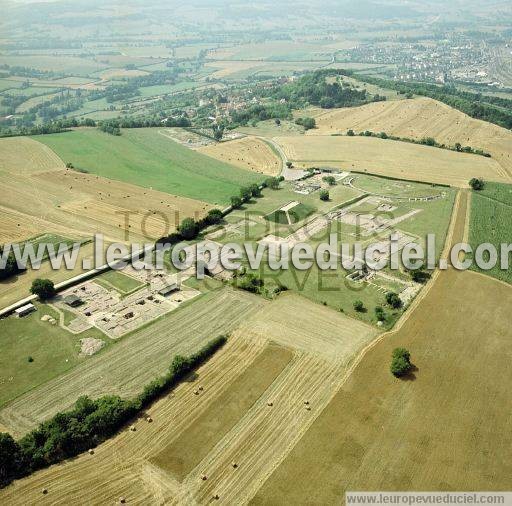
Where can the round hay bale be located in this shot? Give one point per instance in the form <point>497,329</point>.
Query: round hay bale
<point>44,491</point>
<point>308,408</point>
<point>306,403</point>
<point>196,392</point>
<point>216,497</point>
<point>149,419</point>
<point>234,464</point>
<point>91,452</point>
<point>270,404</point>
<point>201,388</point>
<point>204,477</point>
<point>133,428</point>
<point>122,500</point>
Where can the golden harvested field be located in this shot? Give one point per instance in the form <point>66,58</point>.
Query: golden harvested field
<point>418,118</point>
<point>247,153</point>
<point>443,429</point>
<point>39,195</point>
<point>47,196</point>
<point>435,430</point>
<point>25,155</point>
<point>135,360</point>
<point>256,440</point>
<point>180,457</point>
<point>390,158</point>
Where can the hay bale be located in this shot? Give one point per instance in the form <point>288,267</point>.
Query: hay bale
<point>133,428</point>
<point>91,451</point>
<point>270,404</point>
<point>122,500</point>
<point>149,419</point>
<point>44,491</point>
<point>204,477</point>
<point>196,392</point>
<point>306,403</point>
<point>216,497</point>
<point>308,408</point>
<point>234,464</point>
<point>201,388</point>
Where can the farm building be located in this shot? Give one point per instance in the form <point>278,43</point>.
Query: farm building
<point>73,300</point>
<point>167,290</point>
<point>24,310</point>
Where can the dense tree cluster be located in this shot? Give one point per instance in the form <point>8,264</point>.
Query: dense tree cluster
<point>320,88</point>
<point>43,288</point>
<point>393,300</point>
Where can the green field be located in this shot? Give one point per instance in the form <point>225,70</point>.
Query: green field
<point>294,215</point>
<point>490,222</point>
<point>145,158</point>
<point>54,351</point>
<point>395,188</point>
<point>120,282</point>
<point>163,89</point>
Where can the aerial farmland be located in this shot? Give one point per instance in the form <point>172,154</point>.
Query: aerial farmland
<point>255,253</point>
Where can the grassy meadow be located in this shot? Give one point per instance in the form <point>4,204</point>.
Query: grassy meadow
<point>490,222</point>
<point>53,349</point>
<point>145,158</point>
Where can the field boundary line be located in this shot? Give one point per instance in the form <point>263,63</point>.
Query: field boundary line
<point>492,278</point>
<point>469,198</point>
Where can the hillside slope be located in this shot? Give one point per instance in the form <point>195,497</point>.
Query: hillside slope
<point>418,118</point>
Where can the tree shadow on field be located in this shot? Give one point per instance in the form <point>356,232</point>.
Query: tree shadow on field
<point>190,377</point>
<point>410,376</point>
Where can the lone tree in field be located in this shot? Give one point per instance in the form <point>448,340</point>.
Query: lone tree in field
<point>400,362</point>
<point>477,184</point>
<point>43,288</point>
<point>324,195</point>
<point>393,300</point>
<point>289,165</point>
<point>359,306</point>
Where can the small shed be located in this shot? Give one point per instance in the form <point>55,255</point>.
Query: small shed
<point>72,300</point>
<point>167,290</point>
<point>25,310</point>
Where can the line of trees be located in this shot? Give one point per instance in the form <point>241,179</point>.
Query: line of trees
<point>426,141</point>
<point>89,423</point>
<point>11,267</point>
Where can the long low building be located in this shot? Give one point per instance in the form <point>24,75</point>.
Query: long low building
<point>25,310</point>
